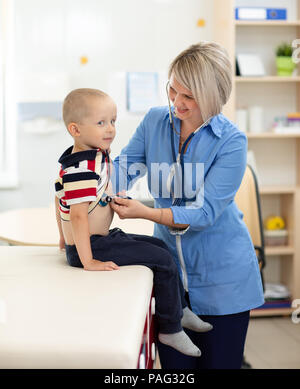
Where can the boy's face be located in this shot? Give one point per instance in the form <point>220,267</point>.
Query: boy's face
<point>97,129</point>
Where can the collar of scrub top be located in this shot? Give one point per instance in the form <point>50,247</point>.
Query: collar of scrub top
<point>172,116</point>
<point>180,156</point>
<point>179,160</point>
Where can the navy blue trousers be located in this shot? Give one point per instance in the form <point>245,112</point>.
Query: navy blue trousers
<point>222,347</point>
<point>131,249</point>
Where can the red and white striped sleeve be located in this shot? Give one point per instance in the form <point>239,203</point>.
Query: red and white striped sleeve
<point>80,183</point>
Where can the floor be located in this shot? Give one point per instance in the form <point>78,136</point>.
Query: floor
<point>273,343</point>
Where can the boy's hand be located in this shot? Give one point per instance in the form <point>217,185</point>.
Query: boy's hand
<point>94,264</point>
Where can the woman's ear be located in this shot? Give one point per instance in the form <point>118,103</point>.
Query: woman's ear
<point>73,129</point>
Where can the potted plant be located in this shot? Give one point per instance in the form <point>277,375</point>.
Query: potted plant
<point>284,62</point>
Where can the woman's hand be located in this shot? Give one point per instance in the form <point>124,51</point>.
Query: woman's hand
<point>128,209</point>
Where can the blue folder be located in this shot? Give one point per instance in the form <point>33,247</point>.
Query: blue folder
<point>271,13</point>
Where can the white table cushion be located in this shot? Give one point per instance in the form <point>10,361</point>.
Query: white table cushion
<point>56,316</point>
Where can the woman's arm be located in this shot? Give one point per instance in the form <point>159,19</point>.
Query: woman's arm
<point>130,165</point>
<point>163,216</point>
<point>134,209</point>
<point>221,183</point>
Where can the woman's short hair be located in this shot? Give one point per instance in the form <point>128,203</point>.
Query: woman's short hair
<point>205,70</point>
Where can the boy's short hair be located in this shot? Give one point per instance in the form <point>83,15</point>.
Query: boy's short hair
<point>76,104</point>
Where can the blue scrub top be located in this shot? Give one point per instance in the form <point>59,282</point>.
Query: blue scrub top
<point>220,262</point>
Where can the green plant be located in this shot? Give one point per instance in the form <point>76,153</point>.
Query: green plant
<point>284,50</point>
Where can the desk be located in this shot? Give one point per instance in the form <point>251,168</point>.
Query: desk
<point>56,316</point>
<point>29,226</point>
<point>37,226</point>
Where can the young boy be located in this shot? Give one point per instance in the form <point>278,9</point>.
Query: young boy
<point>84,219</point>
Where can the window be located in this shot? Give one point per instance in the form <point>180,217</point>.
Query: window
<point>8,111</point>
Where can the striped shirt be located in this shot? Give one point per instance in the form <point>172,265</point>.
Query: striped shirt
<point>83,177</point>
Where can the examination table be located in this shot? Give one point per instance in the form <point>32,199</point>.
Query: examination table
<point>56,316</point>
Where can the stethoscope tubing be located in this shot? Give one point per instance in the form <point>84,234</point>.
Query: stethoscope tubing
<point>180,157</point>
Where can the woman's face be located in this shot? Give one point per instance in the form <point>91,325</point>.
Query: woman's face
<point>185,105</point>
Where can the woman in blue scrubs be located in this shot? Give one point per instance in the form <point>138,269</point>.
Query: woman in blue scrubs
<point>195,213</point>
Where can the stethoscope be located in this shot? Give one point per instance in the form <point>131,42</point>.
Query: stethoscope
<point>105,198</point>
<point>179,159</point>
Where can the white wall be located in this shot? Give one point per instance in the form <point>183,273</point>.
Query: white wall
<point>117,36</point>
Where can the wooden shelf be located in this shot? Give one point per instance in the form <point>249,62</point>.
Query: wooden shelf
<point>271,312</point>
<point>277,189</point>
<point>292,79</point>
<point>268,23</point>
<point>248,91</point>
<point>270,135</point>
<point>279,250</point>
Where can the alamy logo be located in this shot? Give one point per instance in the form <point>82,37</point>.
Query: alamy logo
<point>177,181</point>
<point>296,52</point>
<point>296,312</point>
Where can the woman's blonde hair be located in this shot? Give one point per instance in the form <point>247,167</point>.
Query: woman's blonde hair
<point>205,70</point>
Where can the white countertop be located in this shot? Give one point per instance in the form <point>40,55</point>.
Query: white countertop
<point>56,316</point>
<point>37,226</point>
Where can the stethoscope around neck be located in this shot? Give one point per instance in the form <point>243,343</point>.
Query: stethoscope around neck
<point>179,159</point>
